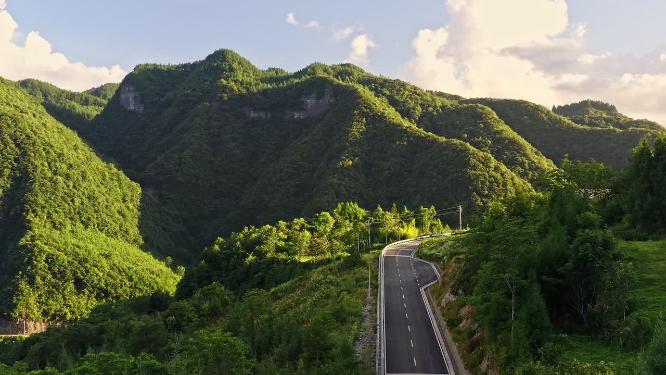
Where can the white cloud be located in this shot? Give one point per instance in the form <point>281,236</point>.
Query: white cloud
<point>36,59</point>
<point>314,24</point>
<point>3,4</point>
<point>343,33</point>
<point>528,49</point>
<point>291,19</point>
<point>360,48</point>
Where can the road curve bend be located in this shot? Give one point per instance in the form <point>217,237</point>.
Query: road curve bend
<point>409,340</point>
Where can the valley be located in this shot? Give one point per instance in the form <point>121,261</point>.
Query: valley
<point>217,217</point>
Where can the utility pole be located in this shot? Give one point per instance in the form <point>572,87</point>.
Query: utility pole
<point>460,227</point>
<point>369,240</point>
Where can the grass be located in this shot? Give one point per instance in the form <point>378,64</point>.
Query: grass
<point>591,350</point>
<point>649,258</point>
<point>441,249</point>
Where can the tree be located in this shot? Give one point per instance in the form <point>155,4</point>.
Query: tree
<point>426,221</point>
<point>25,304</point>
<point>212,301</point>
<point>216,353</point>
<point>586,272</point>
<point>645,197</point>
<point>323,223</point>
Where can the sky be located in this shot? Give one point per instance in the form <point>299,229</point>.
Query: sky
<point>546,51</point>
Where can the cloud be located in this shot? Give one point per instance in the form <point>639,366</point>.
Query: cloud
<point>36,59</point>
<point>343,33</point>
<point>528,49</point>
<point>360,48</point>
<point>291,19</point>
<point>314,24</point>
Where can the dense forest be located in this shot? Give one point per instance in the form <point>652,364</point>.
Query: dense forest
<point>541,266</point>
<point>189,220</point>
<point>69,222</point>
<point>284,298</point>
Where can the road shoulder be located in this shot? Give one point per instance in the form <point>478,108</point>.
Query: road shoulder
<point>449,343</point>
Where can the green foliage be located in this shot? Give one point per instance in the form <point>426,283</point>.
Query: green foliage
<point>214,352</point>
<point>267,256</point>
<point>307,325</point>
<point>602,115</point>
<point>642,191</point>
<point>69,223</point>
<point>479,126</point>
<point>75,109</point>
<point>539,262</point>
<point>591,175</point>
<point>105,92</point>
<point>223,144</point>
<point>557,136</point>
<point>655,356</point>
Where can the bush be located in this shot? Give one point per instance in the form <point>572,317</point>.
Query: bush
<point>634,333</point>
<point>655,356</point>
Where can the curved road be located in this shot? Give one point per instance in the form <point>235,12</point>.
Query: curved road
<point>410,340</point>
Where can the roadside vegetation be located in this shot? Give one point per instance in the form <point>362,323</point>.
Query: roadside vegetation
<point>548,283</point>
<point>291,298</point>
<point>201,232</point>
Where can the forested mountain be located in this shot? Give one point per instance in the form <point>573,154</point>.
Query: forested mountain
<point>557,136</point>
<point>219,144</point>
<point>254,164</point>
<point>105,92</point>
<point>222,144</point>
<point>75,109</point>
<point>603,115</point>
<point>69,223</point>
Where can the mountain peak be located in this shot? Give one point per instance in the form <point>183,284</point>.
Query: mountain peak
<point>584,107</point>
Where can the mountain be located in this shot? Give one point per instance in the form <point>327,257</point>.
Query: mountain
<point>557,136</point>
<point>104,92</point>
<point>222,144</point>
<point>603,115</point>
<point>440,114</point>
<point>70,224</point>
<point>219,144</point>
<point>76,109</point>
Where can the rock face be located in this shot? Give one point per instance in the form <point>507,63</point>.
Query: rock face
<point>20,327</point>
<point>313,105</point>
<point>130,99</point>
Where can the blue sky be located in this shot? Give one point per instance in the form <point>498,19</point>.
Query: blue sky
<point>584,48</point>
<point>132,32</point>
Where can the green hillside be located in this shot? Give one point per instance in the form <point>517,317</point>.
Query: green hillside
<point>603,115</point>
<point>222,144</point>
<point>556,136</point>
<point>479,126</point>
<point>76,109</point>
<point>309,317</point>
<point>441,115</point>
<point>105,92</point>
<point>69,223</point>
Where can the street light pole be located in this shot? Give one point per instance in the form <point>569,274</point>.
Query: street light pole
<point>460,223</point>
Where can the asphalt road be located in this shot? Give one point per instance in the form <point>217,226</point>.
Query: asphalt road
<point>411,344</point>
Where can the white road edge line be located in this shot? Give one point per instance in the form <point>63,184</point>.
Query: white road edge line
<point>381,313</point>
<point>435,328</point>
